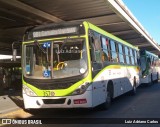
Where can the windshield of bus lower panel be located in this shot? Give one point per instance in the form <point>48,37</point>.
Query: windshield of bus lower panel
<point>55,59</point>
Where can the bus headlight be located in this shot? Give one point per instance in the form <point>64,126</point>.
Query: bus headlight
<point>28,91</point>
<point>81,89</point>
<point>144,76</point>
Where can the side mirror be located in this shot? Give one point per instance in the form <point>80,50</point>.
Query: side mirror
<point>14,51</point>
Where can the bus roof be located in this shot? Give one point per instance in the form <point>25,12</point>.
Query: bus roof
<point>109,35</point>
<point>149,53</point>
<point>77,23</point>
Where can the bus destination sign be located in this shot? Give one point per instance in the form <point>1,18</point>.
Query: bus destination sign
<point>53,32</point>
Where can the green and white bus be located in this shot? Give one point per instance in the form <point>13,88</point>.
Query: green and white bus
<point>158,66</point>
<point>149,67</point>
<point>76,65</point>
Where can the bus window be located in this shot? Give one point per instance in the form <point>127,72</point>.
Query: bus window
<point>105,54</point>
<point>56,53</point>
<point>127,55</point>
<point>138,58</point>
<point>113,51</point>
<point>131,56</point>
<point>92,48</point>
<point>135,56</point>
<point>151,61</point>
<point>95,51</point>
<point>121,57</point>
<point>29,60</point>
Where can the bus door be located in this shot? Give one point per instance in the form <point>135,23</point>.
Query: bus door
<point>96,60</point>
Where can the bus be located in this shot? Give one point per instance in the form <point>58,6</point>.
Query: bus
<point>76,65</point>
<point>158,66</point>
<point>149,67</point>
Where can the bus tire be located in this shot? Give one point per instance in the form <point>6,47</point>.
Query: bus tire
<point>134,89</point>
<point>151,83</point>
<point>31,111</point>
<point>157,78</point>
<point>109,97</point>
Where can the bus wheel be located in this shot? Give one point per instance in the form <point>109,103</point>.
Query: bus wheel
<point>107,103</point>
<point>134,89</point>
<point>31,111</point>
<point>157,78</point>
<point>151,83</point>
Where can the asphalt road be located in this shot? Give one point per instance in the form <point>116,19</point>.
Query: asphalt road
<point>145,104</point>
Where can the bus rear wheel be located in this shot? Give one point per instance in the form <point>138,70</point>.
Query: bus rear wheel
<point>134,89</point>
<point>151,82</point>
<point>157,78</point>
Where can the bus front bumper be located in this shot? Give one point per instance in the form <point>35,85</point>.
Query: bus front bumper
<point>76,101</point>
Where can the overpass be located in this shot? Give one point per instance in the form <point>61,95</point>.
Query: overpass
<point>111,15</point>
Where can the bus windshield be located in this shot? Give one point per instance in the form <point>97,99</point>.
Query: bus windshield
<point>55,59</point>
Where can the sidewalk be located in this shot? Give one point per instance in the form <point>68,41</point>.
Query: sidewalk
<point>10,101</point>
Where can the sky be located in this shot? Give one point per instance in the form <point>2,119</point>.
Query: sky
<point>147,13</point>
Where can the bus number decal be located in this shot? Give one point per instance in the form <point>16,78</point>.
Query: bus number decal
<point>46,93</point>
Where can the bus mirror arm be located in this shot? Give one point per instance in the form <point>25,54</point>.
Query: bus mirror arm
<point>14,49</point>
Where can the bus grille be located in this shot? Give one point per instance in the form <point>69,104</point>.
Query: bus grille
<point>53,86</point>
<point>54,101</point>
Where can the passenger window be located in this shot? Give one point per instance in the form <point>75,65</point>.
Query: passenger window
<point>135,56</point>
<point>105,54</point>
<point>127,55</point>
<point>97,50</point>
<point>131,56</point>
<point>121,57</point>
<point>113,51</point>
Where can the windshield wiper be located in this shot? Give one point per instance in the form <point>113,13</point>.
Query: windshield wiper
<point>38,45</point>
<point>45,52</point>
